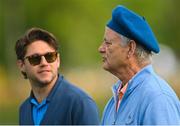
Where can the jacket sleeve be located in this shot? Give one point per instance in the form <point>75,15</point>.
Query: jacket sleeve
<point>163,110</point>
<point>85,112</point>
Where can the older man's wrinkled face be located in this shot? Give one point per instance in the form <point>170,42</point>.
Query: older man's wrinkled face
<point>113,53</point>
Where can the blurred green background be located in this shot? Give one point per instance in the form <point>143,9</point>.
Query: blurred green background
<point>79,27</point>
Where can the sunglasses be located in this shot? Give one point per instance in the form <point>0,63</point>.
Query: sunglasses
<point>36,58</point>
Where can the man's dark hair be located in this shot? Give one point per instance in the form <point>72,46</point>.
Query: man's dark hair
<point>32,35</point>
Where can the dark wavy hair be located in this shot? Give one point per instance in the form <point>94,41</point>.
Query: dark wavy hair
<point>29,37</point>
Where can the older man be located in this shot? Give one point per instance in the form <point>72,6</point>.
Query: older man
<point>141,97</point>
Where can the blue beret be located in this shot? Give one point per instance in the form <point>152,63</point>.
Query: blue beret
<point>133,26</point>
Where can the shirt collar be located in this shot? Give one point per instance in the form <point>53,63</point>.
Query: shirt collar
<point>34,102</point>
<point>123,90</point>
<point>137,78</point>
<point>115,87</point>
<point>140,77</point>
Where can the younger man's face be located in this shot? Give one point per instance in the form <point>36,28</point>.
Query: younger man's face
<point>41,70</point>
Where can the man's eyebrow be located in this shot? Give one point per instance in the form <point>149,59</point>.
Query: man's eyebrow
<point>106,40</point>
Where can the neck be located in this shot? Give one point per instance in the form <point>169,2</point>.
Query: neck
<point>41,92</point>
<point>127,72</point>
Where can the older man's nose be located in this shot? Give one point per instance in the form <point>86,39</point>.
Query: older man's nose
<point>101,48</point>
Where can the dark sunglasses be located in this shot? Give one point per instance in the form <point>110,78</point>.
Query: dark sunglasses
<point>36,58</point>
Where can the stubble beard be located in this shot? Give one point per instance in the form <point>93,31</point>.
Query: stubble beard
<point>40,83</point>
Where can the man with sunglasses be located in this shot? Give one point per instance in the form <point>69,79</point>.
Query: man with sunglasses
<point>53,100</point>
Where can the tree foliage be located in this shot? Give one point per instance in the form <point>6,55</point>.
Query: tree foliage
<point>79,25</point>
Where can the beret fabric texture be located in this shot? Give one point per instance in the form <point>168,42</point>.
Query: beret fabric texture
<point>133,26</point>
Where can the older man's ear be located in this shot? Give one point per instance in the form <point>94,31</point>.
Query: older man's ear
<point>132,48</point>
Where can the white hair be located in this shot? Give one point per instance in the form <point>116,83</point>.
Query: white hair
<point>141,52</point>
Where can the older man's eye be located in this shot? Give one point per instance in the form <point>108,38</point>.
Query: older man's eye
<point>108,43</point>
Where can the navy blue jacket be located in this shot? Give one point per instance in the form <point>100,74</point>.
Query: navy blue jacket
<point>68,105</point>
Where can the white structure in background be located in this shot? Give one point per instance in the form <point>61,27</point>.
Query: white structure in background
<point>165,63</point>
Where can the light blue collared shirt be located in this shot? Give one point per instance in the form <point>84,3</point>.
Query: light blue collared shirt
<point>148,100</point>
<point>38,110</point>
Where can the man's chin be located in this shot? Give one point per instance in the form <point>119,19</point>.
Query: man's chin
<point>105,67</point>
<point>43,83</point>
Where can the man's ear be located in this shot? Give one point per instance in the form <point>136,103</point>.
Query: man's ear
<point>20,64</point>
<point>132,48</point>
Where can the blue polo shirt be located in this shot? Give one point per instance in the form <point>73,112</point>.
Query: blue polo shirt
<point>39,109</point>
